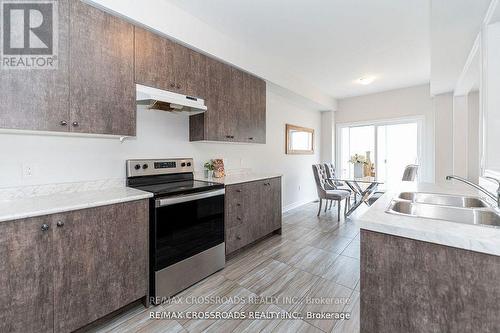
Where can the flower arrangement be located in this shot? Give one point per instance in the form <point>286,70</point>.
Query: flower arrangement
<point>209,165</point>
<point>216,166</point>
<point>358,159</point>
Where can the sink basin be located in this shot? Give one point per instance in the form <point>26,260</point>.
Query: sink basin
<point>447,213</point>
<point>443,199</point>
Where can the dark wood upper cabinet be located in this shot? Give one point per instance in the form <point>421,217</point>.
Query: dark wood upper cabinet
<point>102,90</point>
<point>102,57</point>
<point>91,91</point>
<point>26,270</point>
<point>38,99</point>
<point>101,262</point>
<point>154,60</point>
<point>236,107</point>
<point>163,64</point>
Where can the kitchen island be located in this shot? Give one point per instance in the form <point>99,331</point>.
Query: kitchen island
<point>427,275</point>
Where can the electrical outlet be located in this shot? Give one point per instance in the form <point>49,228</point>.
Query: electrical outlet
<point>29,170</point>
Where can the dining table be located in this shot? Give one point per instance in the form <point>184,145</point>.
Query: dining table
<point>363,187</point>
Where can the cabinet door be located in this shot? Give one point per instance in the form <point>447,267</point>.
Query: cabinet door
<point>255,110</point>
<point>258,105</point>
<point>238,119</point>
<point>196,78</point>
<point>26,288</point>
<point>218,116</point>
<point>272,204</point>
<point>102,89</point>
<point>101,262</point>
<point>38,99</point>
<point>154,60</point>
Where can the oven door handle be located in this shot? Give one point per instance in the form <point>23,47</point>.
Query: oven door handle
<point>188,197</point>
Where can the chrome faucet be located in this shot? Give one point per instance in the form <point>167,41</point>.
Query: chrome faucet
<point>480,188</point>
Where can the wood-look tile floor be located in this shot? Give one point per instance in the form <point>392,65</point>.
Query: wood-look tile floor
<point>314,257</point>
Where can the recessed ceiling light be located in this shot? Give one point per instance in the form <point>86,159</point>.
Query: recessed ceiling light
<point>365,80</point>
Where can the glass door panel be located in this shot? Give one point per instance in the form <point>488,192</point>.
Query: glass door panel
<point>397,147</point>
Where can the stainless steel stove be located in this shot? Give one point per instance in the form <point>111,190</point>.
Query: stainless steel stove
<point>186,224</point>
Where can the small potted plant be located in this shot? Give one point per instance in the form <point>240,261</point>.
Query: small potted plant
<point>209,168</point>
<point>358,161</point>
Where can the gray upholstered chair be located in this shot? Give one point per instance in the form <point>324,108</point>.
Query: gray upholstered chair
<point>409,175</point>
<point>325,194</point>
<point>330,172</point>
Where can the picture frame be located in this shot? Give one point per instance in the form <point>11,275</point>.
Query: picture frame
<point>299,140</point>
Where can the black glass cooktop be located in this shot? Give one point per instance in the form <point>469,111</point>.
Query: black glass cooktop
<point>177,187</point>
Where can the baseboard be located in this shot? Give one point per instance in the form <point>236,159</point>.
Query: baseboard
<point>296,204</point>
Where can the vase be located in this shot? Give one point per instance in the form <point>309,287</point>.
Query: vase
<point>368,165</point>
<point>358,170</point>
<point>206,173</point>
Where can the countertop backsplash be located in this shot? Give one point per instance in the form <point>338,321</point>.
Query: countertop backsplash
<point>12,193</point>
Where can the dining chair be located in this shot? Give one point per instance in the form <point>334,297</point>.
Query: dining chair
<point>409,175</point>
<point>336,185</point>
<point>320,178</point>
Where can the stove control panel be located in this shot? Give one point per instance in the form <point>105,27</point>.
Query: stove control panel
<point>137,168</point>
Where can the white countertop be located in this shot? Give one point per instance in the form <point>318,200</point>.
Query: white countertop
<point>31,206</point>
<point>239,178</point>
<point>470,237</point>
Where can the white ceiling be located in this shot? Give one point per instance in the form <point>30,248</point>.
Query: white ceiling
<point>454,27</point>
<point>330,43</point>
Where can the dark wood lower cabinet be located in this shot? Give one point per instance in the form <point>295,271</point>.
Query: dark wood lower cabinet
<point>26,271</point>
<point>101,262</point>
<point>77,268</point>
<point>253,210</point>
<point>415,286</point>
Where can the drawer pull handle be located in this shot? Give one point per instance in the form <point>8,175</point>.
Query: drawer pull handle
<point>238,204</point>
<point>63,123</point>
<point>238,218</point>
<point>238,191</point>
<point>45,227</point>
<point>238,237</point>
<point>60,224</point>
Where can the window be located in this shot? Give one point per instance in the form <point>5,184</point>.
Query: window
<point>299,140</point>
<point>390,145</point>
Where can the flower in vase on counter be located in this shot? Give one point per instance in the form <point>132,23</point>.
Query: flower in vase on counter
<point>209,168</point>
<point>358,159</point>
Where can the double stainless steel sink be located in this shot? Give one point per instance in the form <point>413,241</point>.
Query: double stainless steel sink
<point>454,208</point>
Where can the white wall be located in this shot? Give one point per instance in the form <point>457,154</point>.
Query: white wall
<point>473,138</point>
<point>460,133</point>
<point>327,136</point>
<point>443,108</point>
<point>400,103</point>
<point>59,159</point>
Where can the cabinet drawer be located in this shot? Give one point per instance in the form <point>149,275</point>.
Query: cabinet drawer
<point>235,204</point>
<point>237,237</point>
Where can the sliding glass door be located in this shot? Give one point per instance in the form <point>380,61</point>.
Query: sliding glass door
<point>390,146</point>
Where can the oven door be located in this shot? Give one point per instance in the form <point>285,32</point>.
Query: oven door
<point>186,225</point>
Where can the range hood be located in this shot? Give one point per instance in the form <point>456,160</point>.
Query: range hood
<point>157,99</point>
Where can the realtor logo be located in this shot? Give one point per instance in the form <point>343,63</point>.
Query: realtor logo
<point>29,34</point>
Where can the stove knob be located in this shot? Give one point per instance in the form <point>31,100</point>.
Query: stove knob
<point>189,164</point>
<point>144,166</point>
<point>183,164</point>
<point>137,167</point>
